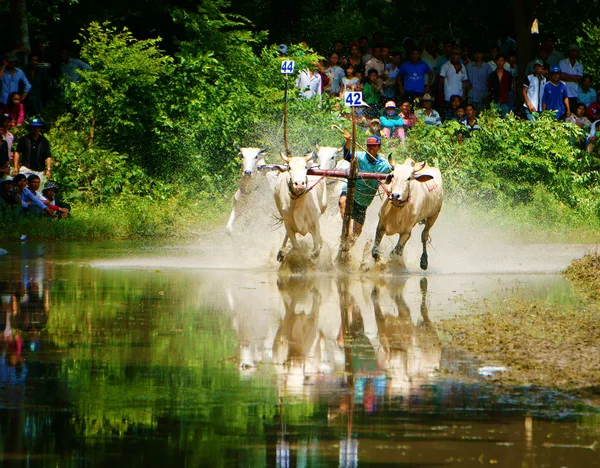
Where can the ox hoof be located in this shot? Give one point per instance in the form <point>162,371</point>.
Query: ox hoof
<point>315,254</point>
<point>280,256</point>
<point>375,254</point>
<point>424,262</point>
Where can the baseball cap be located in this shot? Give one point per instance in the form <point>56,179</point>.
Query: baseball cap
<point>373,141</point>
<point>390,105</point>
<point>426,97</point>
<point>11,57</point>
<point>573,47</point>
<point>555,69</point>
<point>538,62</point>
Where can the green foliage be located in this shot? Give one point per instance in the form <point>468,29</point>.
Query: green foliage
<point>589,40</point>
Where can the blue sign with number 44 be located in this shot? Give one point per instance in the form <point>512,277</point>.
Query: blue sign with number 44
<point>354,99</point>
<point>287,67</point>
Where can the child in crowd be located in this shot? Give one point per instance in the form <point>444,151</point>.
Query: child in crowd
<point>454,104</point>
<point>591,139</point>
<point>426,113</point>
<point>374,128</point>
<point>392,123</point>
<point>335,74</point>
<point>372,93</point>
<point>579,118</point>
<point>15,109</point>
<point>350,81</point>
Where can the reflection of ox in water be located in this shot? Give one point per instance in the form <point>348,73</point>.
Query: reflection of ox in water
<point>252,187</point>
<point>301,351</point>
<point>301,200</point>
<point>415,195</point>
<point>411,354</point>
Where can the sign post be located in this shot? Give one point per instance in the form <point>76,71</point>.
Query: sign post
<point>287,68</point>
<point>352,99</point>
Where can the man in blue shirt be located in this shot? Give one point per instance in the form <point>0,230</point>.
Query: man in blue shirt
<point>29,199</point>
<point>11,78</point>
<point>411,78</point>
<point>556,96</point>
<point>365,190</point>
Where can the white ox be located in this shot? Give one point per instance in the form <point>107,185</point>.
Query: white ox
<point>415,195</point>
<point>250,183</point>
<point>327,160</point>
<point>301,200</point>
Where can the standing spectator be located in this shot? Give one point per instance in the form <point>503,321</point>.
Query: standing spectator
<point>12,78</point>
<point>376,63</point>
<point>585,93</point>
<point>500,85</point>
<point>506,45</point>
<point>445,57</point>
<point>439,82</point>
<point>478,72</point>
<point>372,93</point>
<point>385,54</point>
<point>392,70</point>
<point>593,110</point>
<point>324,78</point>
<point>543,56</point>
<point>391,122</point>
<point>493,56</point>
<point>5,131</point>
<point>427,114</point>
<point>350,82</point>
<point>37,78</point>
<point>15,109</point>
<point>309,81</point>
<point>533,90</point>
<point>70,67</point>
<point>578,118</point>
<point>411,78</point>
<point>514,71</point>
<point>33,153</point>
<point>554,56</point>
<point>338,48</point>
<point>572,72</point>
<point>453,77</point>
<point>556,96</point>
<point>363,42</point>
<point>335,75</point>
<point>4,159</point>
<point>430,56</point>
<point>464,56</point>
<point>355,58</point>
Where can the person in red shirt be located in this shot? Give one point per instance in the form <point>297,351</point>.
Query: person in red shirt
<point>500,85</point>
<point>593,110</point>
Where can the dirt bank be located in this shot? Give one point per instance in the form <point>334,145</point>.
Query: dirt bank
<point>550,345</point>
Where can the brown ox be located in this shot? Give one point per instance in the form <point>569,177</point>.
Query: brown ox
<point>415,195</point>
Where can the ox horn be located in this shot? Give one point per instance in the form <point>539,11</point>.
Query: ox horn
<point>284,157</point>
<point>317,144</point>
<point>262,150</point>
<point>390,159</point>
<point>237,148</point>
<point>308,156</point>
<point>419,166</point>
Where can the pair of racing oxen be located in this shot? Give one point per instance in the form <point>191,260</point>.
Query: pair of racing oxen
<point>414,195</point>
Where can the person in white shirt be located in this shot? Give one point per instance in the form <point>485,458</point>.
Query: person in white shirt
<point>571,74</point>
<point>376,62</point>
<point>533,90</point>
<point>453,77</point>
<point>309,82</point>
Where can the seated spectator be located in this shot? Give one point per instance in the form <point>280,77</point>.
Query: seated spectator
<point>29,202</point>
<point>426,113</point>
<point>451,111</point>
<point>593,110</point>
<point>459,115</point>
<point>15,109</point>
<point>33,184</point>
<point>391,122</point>
<point>12,79</point>
<point>556,97</point>
<point>591,139</point>
<point>350,82</point>
<point>471,121</point>
<point>70,67</point>
<point>585,93</point>
<point>309,82</point>
<point>408,117</point>
<point>578,117</point>
<point>9,200</point>
<point>411,78</point>
<point>500,85</point>
<point>372,93</point>
<point>334,74</point>
<point>33,153</point>
<point>374,128</point>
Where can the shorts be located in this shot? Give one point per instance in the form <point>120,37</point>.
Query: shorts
<point>359,212</point>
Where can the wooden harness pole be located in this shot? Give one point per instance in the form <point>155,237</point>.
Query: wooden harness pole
<point>345,238</point>
<point>285,101</point>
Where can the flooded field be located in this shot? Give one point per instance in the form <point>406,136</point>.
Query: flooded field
<point>110,359</point>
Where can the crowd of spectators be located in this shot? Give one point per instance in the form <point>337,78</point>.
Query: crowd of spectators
<point>26,185</point>
<point>420,82</point>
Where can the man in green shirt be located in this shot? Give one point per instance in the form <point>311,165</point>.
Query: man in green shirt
<point>365,190</point>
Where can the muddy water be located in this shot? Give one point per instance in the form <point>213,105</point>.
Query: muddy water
<point>109,359</point>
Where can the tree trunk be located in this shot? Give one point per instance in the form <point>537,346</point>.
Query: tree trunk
<point>19,14</point>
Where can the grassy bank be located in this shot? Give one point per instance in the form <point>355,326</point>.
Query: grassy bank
<point>540,344</point>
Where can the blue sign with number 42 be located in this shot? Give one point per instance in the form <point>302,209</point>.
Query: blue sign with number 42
<point>353,99</point>
<point>287,67</point>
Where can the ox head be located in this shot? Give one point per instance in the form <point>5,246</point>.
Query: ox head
<point>401,177</point>
<point>297,167</point>
<point>326,156</point>
<point>252,158</point>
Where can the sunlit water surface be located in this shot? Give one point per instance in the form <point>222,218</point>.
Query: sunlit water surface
<point>192,367</point>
